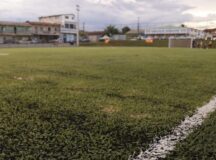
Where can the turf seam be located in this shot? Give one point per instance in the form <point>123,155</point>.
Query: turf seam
<point>163,146</point>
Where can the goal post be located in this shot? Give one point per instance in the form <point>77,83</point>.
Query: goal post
<point>180,43</point>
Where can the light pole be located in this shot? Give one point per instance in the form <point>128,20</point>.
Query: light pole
<point>78,10</point>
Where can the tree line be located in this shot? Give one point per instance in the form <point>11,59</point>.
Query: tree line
<point>112,30</point>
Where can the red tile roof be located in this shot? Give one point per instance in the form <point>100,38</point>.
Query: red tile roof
<point>6,23</point>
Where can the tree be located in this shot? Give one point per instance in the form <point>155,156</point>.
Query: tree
<point>125,29</point>
<point>183,25</point>
<point>111,30</point>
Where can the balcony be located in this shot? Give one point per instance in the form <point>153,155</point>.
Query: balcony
<point>68,30</point>
<point>46,33</point>
<point>12,33</point>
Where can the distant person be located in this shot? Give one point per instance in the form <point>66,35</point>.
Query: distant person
<point>210,44</point>
<point>201,44</point>
<point>205,45</point>
<point>194,44</point>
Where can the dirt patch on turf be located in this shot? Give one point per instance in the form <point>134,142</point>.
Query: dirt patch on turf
<point>111,109</point>
<point>19,78</point>
<point>140,116</point>
<point>31,78</point>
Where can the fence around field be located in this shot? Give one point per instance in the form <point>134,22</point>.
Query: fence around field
<point>45,45</point>
<point>138,43</point>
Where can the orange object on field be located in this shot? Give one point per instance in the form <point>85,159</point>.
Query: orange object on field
<point>107,40</point>
<point>149,40</point>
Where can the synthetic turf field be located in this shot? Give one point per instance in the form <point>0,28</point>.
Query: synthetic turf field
<point>97,103</point>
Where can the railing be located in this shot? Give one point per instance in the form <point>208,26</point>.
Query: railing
<point>45,33</point>
<point>67,30</point>
<point>15,33</point>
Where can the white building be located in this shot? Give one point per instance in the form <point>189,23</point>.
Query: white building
<point>174,32</point>
<point>68,25</point>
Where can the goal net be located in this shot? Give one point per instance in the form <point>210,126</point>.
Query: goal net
<point>180,42</point>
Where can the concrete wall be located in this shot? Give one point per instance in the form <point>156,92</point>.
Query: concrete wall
<point>119,37</point>
<point>1,40</point>
<point>93,38</point>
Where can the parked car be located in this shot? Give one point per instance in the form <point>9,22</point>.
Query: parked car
<point>55,41</point>
<point>133,39</point>
<point>36,41</point>
<point>84,40</point>
<point>24,42</point>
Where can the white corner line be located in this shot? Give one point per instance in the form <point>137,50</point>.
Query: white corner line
<point>4,54</point>
<point>162,147</point>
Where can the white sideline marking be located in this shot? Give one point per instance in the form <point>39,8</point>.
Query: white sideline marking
<point>4,54</point>
<point>160,148</point>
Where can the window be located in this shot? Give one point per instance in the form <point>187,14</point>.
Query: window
<point>66,17</point>
<point>1,29</point>
<point>71,26</point>
<point>49,29</point>
<point>67,26</point>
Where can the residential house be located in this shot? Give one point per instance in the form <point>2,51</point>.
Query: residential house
<point>14,32</point>
<point>134,33</point>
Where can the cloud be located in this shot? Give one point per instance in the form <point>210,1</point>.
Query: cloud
<point>99,13</point>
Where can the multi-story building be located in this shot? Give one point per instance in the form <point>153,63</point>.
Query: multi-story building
<point>68,25</point>
<point>14,32</point>
<point>174,32</point>
<point>44,32</point>
<point>212,32</point>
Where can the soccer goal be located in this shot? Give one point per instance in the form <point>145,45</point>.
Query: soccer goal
<point>180,43</point>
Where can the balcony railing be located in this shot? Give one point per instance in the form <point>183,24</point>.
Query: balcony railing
<point>68,30</point>
<point>46,33</point>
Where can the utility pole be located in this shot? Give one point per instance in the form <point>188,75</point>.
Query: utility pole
<point>78,10</point>
<point>138,26</point>
<point>83,27</point>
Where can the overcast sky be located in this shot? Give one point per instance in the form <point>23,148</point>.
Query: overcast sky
<point>98,13</point>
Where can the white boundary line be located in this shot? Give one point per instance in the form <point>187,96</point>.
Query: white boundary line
<point>160,148</point>
<point>4,54</point>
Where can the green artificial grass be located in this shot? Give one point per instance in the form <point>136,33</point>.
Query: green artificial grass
<point>97,103</point>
